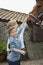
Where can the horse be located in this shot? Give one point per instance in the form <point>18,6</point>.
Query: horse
<point>36,15</point>
<point>33,36</point>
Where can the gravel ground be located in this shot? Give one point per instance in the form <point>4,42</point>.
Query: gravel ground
<point>28,62</point>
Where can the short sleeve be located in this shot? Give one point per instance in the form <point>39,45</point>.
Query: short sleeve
<point>8,43</point>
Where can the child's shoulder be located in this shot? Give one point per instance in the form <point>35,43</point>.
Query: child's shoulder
<point>11,39</point>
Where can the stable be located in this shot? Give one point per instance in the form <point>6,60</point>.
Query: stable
<point>34,49</point>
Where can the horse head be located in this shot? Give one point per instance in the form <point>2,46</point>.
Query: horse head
<point>36,15</point>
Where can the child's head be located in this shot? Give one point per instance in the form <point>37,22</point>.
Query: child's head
<point>12,27</point>
<point>11,23</point>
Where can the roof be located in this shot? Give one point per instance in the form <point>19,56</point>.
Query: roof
<point>11,15</point>
<point>7,15</point>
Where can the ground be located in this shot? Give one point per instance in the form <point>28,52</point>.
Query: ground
<point>28,62</point>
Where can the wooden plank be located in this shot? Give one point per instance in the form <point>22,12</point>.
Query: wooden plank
<point>23,18</point>
<point>7,18</point>
<point>3,17</point>
<point>20,17</point>
<point>7,15</point>
<point>11,16</point>
<point>17,16</point>
<point>2,14</point>
<point>14,16</point>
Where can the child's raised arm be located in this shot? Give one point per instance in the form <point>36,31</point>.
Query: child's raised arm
<point>22,27</point>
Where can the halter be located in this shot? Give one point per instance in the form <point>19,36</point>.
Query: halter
<point>37,17</point>
<point>34,17</point>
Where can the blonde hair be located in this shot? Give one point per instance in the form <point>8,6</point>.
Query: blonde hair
<point>11,24</point>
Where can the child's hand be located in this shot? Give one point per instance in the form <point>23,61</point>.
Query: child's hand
<point>23,52</point>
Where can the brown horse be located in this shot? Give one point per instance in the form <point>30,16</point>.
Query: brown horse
<point>36,15</point>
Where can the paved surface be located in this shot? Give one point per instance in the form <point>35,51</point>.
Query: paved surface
<point>28,62</point>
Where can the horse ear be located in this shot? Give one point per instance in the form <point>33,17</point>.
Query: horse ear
<point>39,0</point>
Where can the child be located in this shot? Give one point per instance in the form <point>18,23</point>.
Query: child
<point>15,43</point>
<point>20,36</point>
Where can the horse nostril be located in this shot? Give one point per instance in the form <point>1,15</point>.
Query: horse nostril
<point>29,22</point>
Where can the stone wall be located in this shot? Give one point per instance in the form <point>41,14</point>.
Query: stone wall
<point>3,32</point>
